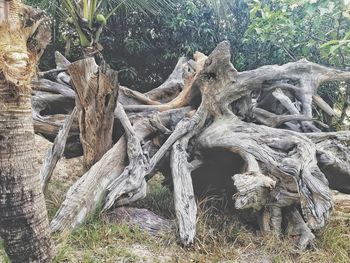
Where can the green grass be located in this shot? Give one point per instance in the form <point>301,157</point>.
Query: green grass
<point>54,197</point>
<point>99,242</point>
<point>159,198</point>
<point>220,238</point>
<point>3,257</point>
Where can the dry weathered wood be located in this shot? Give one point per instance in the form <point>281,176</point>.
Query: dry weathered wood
<point>141,218</point>
<point>282,168</point>
<point>184,198</point>
<point>50,125</point>
<point>346,104</point>
<point>285,101</point>
<point>57,97</point>
<point>55,153</point>
<point>166,92</point>
<point>333,154</point>
<point>61,61</point>
<point>162,92</point>
<point>133,94</point>
<point>97,91</point>
<point>324,106</point>
<point>181,168</point>
<point>84,196</point>
<point>175,82</point>
<point>46,103</point>
<point>252,189</point>
<point>284,155</point>
<point>54,87</point>
<point>220,87</point>
<point>187,93</point>
<point>274,120</point>
<point>132,180</point>
<point>51,71</point>
<point>297,228</point>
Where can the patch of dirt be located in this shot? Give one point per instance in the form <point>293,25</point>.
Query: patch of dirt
<point>147,256</point>
<point>254,257</point>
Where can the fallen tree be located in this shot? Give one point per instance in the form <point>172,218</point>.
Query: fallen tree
<point>260,121</point>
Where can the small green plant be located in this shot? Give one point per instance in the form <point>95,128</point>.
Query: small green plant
<point>159,198</point>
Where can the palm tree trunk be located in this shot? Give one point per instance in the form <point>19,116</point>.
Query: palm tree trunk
<point>24,225</point>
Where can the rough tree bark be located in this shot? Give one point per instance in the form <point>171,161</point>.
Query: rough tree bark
<point>24,225</point>
<point>97,90</point>
<point>262,116</point>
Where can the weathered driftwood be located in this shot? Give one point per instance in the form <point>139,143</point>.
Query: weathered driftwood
<point>285,157</point>
<point>186,94</point>
<point>53,87</point>
<point>55,153</point>
<point>84,196</point>
<point>54,94</point>
<point>141,218</point>
<point>333,155</point>
<point>51,124</point>
<point>284,171</point>
<point>47,103</point>
<point>97,90</point>
<point>132,180</point>
<point>323,105</point>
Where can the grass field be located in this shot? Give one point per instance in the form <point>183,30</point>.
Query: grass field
<point>220,238</point>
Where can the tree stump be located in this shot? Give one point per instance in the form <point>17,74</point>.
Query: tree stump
<point>97,91</point>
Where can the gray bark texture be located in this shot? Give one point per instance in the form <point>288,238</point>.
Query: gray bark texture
<point>283,166</point>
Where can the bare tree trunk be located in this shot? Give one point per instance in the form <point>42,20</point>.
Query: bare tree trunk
<point>24,225</point>
<point>97,92</point>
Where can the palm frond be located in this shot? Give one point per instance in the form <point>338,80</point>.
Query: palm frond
<point>90,16</point>
<point>153,7</point>
<point>221,8</point>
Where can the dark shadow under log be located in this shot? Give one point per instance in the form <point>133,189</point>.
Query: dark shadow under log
<point>214,176</point>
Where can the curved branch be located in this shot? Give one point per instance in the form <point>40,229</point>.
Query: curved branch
<point>138,96</point>
<point>184,98</point>
<point>273,120</point>
<point>133,177</point>
<point>324,106</point>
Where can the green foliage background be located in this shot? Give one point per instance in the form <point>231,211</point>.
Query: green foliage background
<point>143,39</point>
